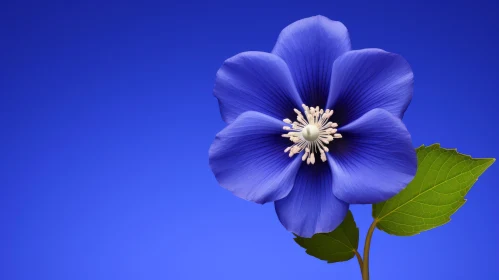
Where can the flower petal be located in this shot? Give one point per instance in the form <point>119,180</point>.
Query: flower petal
<point>311,207</point>
<point>309,47</point>
<point>248,158</point>
<point>363,80</point>
<point>374,160</point>
<point>255,81</point>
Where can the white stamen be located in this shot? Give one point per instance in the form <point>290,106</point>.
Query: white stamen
<point>323,155</point>
<point>311,133</point>
<point>304,157</point>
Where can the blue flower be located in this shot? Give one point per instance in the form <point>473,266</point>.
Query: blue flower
<point>314,126</point>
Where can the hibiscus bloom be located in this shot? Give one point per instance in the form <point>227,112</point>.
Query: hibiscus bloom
<point>314,126</point>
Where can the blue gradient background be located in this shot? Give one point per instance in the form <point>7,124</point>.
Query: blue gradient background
<point>107,114</point>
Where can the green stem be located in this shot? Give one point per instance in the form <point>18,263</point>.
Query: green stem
<point>359,258</point>
<point>367,246</point>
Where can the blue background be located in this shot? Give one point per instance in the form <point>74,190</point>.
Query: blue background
<point>107,114</point>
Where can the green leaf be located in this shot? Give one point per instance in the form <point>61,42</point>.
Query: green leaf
<point>437,191</point>
<point>336,246</point>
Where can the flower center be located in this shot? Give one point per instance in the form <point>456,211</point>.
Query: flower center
<point>311,133</point>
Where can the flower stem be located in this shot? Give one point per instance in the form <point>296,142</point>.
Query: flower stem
<point>367,245</point>
<point>359,258</point>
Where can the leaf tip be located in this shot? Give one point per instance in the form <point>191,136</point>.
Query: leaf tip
<point>489,161</point>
